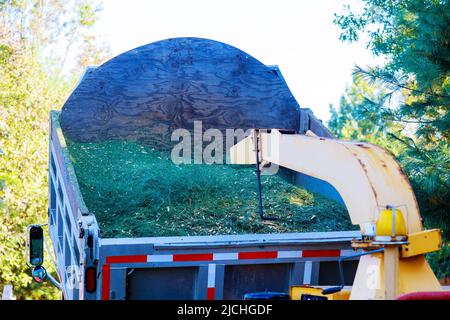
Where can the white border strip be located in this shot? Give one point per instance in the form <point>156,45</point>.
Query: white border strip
<point>211,275</point>
<point>224,256</point>
<point>160,258</point>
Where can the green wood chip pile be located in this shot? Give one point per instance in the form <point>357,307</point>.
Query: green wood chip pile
<point>135,191</point>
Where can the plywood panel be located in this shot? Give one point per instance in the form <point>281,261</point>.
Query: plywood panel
<point>146,93</point>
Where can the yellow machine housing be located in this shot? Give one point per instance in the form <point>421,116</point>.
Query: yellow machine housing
<point>312,293</point>
<point>373,188</point>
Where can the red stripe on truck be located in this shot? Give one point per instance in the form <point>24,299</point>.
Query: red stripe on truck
<point>193,257</point>
<point>257,255</point>
<point>127,259</point>
<point>321,253</point>
<point>106,275</point>
<point>210,293</point>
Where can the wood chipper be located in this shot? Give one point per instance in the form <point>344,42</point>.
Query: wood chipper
<point>379,199</point>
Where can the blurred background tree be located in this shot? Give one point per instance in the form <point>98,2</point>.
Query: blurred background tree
<point>404,104</point>
<point>36,39</point>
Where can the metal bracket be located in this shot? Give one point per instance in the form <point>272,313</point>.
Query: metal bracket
<point>258,178</point>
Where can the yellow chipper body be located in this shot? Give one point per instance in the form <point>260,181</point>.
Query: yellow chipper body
<point>379,199</point>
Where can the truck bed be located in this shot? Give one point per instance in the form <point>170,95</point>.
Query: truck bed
<point>137,191</point>
<point>182,267</point>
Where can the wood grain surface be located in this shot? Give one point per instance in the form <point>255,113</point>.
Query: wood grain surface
<point>146,93</point>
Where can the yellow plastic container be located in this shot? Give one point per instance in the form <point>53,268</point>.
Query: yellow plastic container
<point>385,221</point>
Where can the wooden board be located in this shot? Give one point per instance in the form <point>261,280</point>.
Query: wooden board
<point>309,122</point>
<point>146,93</point>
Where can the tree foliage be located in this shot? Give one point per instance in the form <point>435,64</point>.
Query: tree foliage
<point>404,104</point>
<point>414,35</point>
<point>32,33</point>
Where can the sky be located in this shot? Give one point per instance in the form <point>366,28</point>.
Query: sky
<point>297,35</point>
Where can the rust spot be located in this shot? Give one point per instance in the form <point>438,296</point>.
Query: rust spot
<point>362,165</point>
<point>375,194</point>
<point>362,146</point>
<point>402,173</point>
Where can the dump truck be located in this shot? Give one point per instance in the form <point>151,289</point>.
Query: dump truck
<point>144,96</point>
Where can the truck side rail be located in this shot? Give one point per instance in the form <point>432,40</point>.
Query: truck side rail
<point>72,229</point>
<point>242,240</point>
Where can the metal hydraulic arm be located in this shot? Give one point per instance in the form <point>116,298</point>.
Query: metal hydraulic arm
<point>378,197</point>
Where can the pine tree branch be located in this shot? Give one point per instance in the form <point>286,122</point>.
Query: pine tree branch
<point>419,151</point>
<point>372,74</point>
<point>392,117</point>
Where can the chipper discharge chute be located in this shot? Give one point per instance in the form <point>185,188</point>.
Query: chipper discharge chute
<point>378,197</point>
